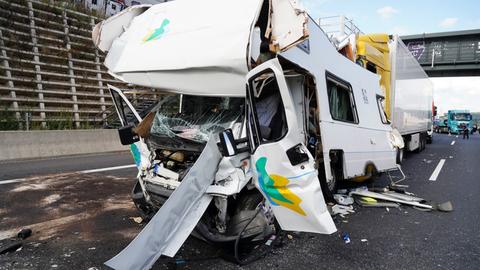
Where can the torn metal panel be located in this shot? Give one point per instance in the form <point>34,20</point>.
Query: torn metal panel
<point>230,179</point>
<point>385,197</point>
<point>289,24</point>
<point>396,139</point>
<point>176,219</point>
<point>105,32</point>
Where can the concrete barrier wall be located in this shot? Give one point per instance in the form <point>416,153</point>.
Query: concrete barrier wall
<point>36,144</point>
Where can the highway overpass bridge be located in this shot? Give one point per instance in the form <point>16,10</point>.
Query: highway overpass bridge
<point>447,54</point>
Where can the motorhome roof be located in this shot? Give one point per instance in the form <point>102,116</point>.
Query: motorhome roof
<point>193,47</point>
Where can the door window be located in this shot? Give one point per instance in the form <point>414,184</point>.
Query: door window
<point>341,101</point>
<point>126,114</point>
<point>270,120</point>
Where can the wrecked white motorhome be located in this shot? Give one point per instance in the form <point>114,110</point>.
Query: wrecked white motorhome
<point>294,118</point>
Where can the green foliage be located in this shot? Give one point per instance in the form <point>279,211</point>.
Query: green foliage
<point>8,120</point>
<point>63,120</point>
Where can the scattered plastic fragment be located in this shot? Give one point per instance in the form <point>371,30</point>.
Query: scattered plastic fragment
<point>346,238</point>
<point>342,210</point>
<point>289,236</point>
<point>368,199</point>
<point>343,199</point>
<point>137,219</point>
<point>364,240</point>
<point>271,239</point>
<point>445,207</point>
<point>92,248</point>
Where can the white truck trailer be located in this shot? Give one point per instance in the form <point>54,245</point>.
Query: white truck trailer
<point>408,90</point>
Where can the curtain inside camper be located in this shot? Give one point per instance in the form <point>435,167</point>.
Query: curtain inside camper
<point>341,107</point>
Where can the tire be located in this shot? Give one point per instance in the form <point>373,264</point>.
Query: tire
<point>328,189</point>
<point>336,167</point>
<point>249,201</point>
<point>145,210</point>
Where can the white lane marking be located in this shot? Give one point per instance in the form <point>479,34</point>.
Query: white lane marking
<point>19,180</point>
<point>109,169</point>
<point>437,170</point>
<point>453,142</point>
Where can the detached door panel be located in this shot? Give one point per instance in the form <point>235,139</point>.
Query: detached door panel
<point>284,168</point>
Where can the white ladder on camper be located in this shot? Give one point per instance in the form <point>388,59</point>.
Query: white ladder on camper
<point>395,179</point>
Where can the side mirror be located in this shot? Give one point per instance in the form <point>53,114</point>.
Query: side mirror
<point>127,136</point>
<point>228,146</point>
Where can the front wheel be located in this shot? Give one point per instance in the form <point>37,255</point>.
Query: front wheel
<point>145,209</point>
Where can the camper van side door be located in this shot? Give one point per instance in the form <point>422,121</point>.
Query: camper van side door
<point>284,170</point>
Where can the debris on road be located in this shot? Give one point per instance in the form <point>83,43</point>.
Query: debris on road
<point>364,240</point>
<point>11,248</point>
<point>369,202</point>
<point>445,207</point>
<point>137,220</point>
<point>343,199</point>
<point>346,238</point>
<point>386,197</point>
<point>24,233</point>
<point>342,210</point>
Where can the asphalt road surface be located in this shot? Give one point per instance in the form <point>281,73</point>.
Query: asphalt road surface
<point>80,220</point>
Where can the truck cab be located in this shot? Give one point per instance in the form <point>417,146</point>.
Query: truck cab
<point>457,119</point>
<point>441,125</point>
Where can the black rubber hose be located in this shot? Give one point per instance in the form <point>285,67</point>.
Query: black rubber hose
<point>237,241</point>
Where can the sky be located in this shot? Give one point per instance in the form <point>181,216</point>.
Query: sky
<point>401,17</point>
<point>408,17</point>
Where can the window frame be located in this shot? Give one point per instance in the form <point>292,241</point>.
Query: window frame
<point>257,136</point>
<point>382,110</point>
<point>335,79</point>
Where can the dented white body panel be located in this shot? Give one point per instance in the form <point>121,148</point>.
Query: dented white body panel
<point>365,142</point>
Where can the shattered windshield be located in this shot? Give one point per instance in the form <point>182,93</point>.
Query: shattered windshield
<point>196,117</point>
<point>462,117</point>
